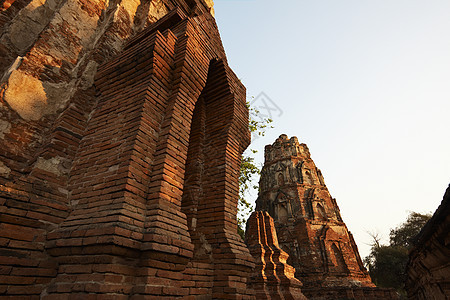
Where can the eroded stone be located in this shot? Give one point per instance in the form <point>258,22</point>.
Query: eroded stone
<point>4,128</point>
<point>25,94</point>
<point>4,170</point>
<point>309,225</point>
<point>428,267</point>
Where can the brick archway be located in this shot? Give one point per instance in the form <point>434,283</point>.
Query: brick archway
<point>211,180</point>
<point>142,233</point>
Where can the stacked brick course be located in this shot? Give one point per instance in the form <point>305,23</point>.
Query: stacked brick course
<point>121,127</point>
<point>428,267</point>
<point>309,226</point>
<point>126,184</point>
<point>273,278</point>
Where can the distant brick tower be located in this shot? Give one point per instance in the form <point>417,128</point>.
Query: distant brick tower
<point>309,225</point>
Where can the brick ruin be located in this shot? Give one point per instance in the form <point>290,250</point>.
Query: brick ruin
<point>272,277</point>
<point>428,267</point>
<point>122,127</point>
<point>309,226</point>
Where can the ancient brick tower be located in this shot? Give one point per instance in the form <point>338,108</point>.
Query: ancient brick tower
<point>309,226</point>
<point>121,128</point>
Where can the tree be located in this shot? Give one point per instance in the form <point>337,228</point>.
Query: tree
<point>404,234</point>
<point>387,263</point>
<point>248,170</point>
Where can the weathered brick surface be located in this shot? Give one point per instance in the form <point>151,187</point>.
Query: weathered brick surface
<point>309,226</point>
<point>119,165</point>
<point>273,278</point>
<point>428,267</point>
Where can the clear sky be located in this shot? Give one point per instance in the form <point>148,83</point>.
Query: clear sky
<point>365,84</point>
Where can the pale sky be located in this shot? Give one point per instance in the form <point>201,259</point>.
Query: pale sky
<point>365,84</point>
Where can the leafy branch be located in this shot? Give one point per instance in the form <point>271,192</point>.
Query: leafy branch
<point>258,125</point>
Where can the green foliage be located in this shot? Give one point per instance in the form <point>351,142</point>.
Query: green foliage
<point>257,124</point>
<point>404,234</point>
<point>249,171</point>
<point>387,263</point>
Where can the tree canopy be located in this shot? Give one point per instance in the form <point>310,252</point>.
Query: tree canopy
<point>404,234</point>
<point>387,263</point>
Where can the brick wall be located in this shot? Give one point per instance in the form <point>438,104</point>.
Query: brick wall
<point>272,278</point>
<point>428,266</point>
<point>128,187</point>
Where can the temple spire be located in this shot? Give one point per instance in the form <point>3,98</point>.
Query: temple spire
<point>308,222</point>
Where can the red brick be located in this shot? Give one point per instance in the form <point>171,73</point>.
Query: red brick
<point>112,215</point>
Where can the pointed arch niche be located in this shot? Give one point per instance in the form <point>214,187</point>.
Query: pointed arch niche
<point>321,212</point>
<point>339,261</point>
<point>211,175</point>
<point>218,136</point>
